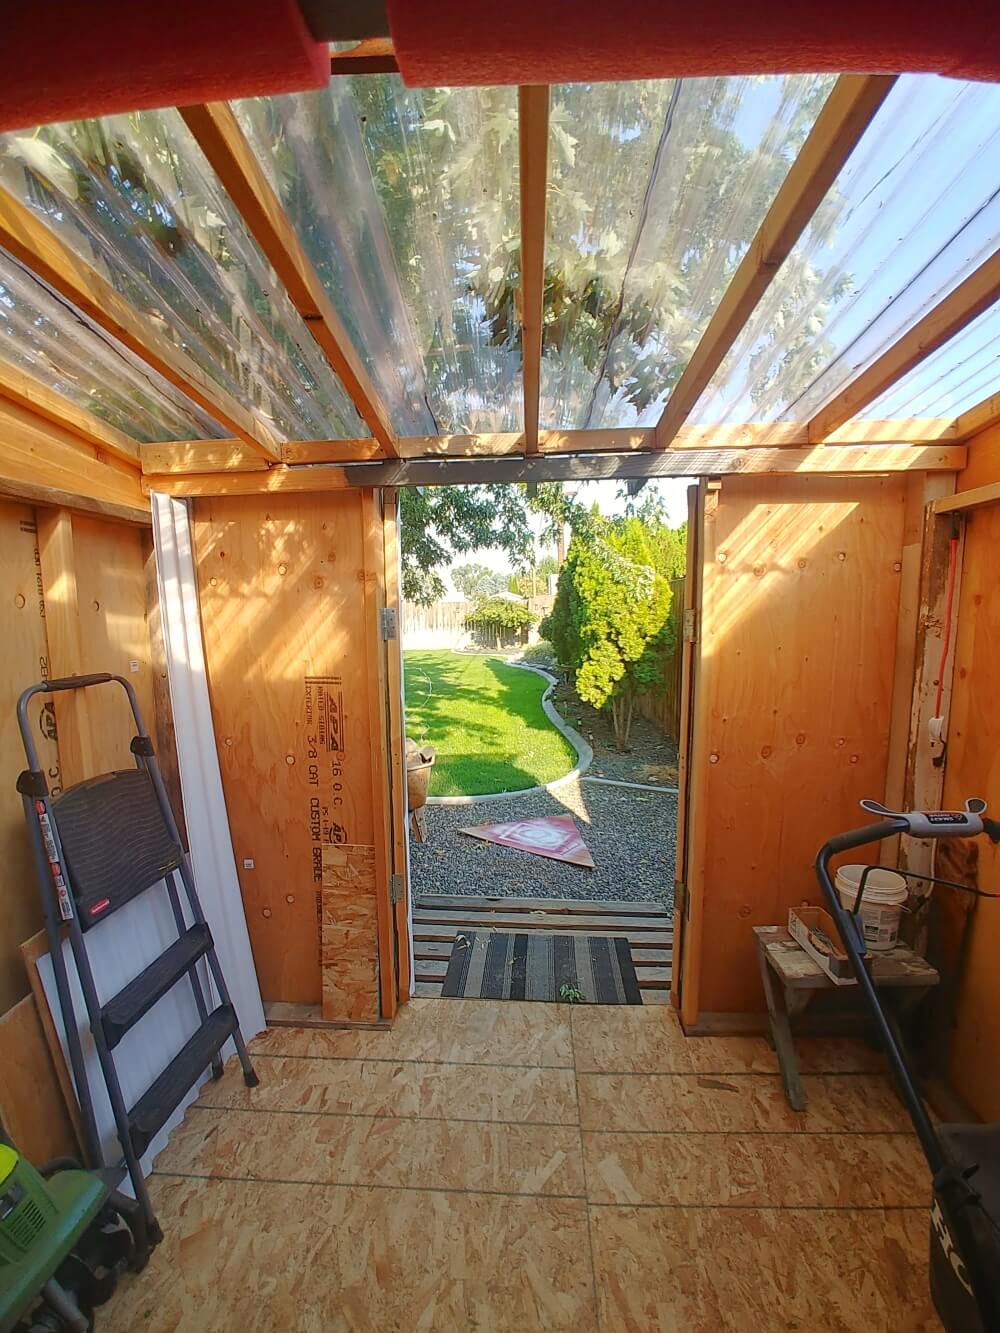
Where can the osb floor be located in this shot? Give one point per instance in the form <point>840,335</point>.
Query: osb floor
<point>514,1167</point>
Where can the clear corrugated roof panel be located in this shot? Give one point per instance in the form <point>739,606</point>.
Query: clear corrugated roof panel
<point>406,201</point>
<point>916,207</point>
<point>135,198</point>
<point>656,190</point>
<point>55,343</point>
<point>958,376</point>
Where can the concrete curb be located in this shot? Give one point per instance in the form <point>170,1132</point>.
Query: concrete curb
<point>584,753</point>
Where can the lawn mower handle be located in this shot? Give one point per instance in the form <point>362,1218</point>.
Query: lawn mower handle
<point>952,1191</point>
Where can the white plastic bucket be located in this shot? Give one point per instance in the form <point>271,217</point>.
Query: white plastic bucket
<point>881,906</point>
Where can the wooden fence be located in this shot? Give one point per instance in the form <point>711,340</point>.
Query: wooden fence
<point>663,706</point>
<point>442,624</point>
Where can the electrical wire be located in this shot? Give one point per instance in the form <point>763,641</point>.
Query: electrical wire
<point>948,613</point>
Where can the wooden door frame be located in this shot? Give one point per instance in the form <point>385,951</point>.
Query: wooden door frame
<point>396,717</point>
<point>690,617</point>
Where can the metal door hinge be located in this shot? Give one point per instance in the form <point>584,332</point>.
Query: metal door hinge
<point>397,888</point>
<point>680,899</point>
<point>387,622</point>
<point>690,625</point>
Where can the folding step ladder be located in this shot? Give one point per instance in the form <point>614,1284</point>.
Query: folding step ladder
<point>98,845</point>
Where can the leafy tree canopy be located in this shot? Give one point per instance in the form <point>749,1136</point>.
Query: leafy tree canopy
<point>534,580</point>
<point>440,522</point>
<point>476,582</point>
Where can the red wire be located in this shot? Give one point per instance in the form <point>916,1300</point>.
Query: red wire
<point>948,607</point>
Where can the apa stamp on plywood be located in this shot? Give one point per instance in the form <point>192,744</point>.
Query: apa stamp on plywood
<point>325,749</point>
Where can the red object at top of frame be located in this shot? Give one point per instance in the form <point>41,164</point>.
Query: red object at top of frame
<point>67,60</point>
<point>570,41</point>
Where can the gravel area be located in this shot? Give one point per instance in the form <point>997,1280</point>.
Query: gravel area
<point>630,834</point>
<point>651,758</point>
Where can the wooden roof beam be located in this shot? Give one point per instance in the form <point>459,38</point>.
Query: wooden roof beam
<point>980,417</point>
<point>224,144</point>
<point>19,387</point>
<point>533,141</point>
<point>951,314</point>
<point>199,456</point>
<point>845,116</point>
<point>824,460</point>
<point>40,249</point>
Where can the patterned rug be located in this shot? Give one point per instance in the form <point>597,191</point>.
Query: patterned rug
<point>591,969</point>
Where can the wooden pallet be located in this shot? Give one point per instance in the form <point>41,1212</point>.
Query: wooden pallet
<point>439,918</point>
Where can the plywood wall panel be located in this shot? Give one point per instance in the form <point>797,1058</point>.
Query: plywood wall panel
<point>31,1105</point>
<point>283,583</point>
<point>24,661</point>
<point>798,641</point>
<point>111,590</point>
<point>973,769</point>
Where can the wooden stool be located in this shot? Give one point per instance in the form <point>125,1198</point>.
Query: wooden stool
<point>791,978</point>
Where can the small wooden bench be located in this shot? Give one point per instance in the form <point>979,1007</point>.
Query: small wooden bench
<point>791,978</point>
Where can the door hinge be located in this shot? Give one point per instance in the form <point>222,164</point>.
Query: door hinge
<point>387,622</point>
<point>690,625</point>
<point>397,888</point>
<point>680,899</point>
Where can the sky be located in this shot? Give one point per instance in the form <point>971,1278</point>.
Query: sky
<point>672,490</point>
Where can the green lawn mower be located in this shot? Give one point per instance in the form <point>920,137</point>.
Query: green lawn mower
<point>65,1238</point>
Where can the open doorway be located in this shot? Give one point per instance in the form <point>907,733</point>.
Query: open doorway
<point>551,810</point>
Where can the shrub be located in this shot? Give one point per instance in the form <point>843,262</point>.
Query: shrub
<point>609,621</point>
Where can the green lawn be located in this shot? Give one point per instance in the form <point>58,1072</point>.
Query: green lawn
<point>486,722</point>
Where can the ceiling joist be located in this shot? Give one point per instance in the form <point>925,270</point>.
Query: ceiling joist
<point>533,140</point>
<point>224,144</point>
<point>35,245</point>
<point>845,116</point>
<point>951,314</point>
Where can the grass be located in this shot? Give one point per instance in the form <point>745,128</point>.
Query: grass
<point>486,722</point>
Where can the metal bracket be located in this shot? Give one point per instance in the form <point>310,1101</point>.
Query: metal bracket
<point>397,888</point>
<point>387,622</point>
<point>680,899</point>
<point>690,625</point>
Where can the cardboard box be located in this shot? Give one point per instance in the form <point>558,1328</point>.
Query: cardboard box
<point>815,931</point>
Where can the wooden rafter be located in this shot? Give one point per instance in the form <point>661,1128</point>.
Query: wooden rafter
<point>372,55</point>
<point>225,145</point>
<point>35,245</point>
<point>533,137</point>
<point>828,460</point>
<point>845,116</point>
<point>980,417</point>
<point>970,298</point>
<point>23,389</point>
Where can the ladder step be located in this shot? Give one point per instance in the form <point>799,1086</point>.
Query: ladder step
<point>158,1103</point>
<point>125,1009</point>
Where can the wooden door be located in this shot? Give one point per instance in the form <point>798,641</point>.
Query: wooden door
<point>689,658</point>
<point>304,682</point>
